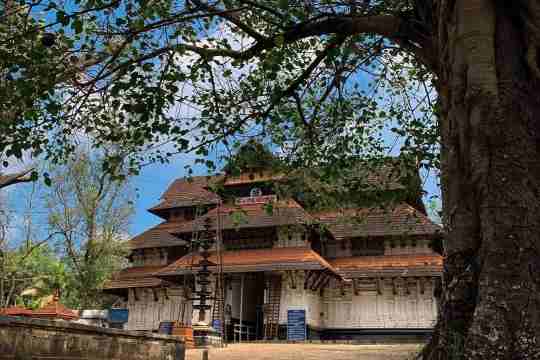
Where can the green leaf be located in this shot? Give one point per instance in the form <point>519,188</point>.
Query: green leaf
<point>77,25</point>
<point>62,17</point>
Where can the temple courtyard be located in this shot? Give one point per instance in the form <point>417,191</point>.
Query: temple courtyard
<point>308,352</point>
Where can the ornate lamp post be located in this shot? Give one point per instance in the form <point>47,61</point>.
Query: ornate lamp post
<point>202,277</point>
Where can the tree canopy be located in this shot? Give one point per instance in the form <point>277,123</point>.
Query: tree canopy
<point>251,156</point>
<point>321,80</point>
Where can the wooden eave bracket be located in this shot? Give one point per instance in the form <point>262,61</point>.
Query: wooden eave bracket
<point>308,277</point>
<point>406,285</point>
<point>135,296</point>
<point>323,280</point>
<point>166,293</point>
<point>291,277</point>
<point>318,276</point>
<point>394,286</point>
<point>342,288</point>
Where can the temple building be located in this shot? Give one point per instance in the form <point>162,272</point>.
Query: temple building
<point>350,271</point>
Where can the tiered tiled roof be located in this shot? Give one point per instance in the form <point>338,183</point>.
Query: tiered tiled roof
<point>134,277</point>
<point>389,265</point>
<point>251,216</point>
<point>55,310</point>
<point>158,236</point>
<point>398,220</point>
<point>188,192</point>
<point>291,258</point>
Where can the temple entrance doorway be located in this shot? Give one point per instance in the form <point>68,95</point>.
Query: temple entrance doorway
<point>244,307</point>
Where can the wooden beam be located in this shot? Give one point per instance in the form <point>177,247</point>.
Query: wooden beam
<point>422,285</point>
<point>379,282</point>
<point>394,286</point>
<point>356,291</point>
<point>406,285</point>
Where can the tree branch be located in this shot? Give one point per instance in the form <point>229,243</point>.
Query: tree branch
<point>233,18</point>
<point>11,179</point>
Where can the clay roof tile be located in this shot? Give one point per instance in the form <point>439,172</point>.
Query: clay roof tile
<point>134,277</point>
<point>55,310</point>
<point>251,216</point>
<point>389,265</point>
<point>158,236</point>
<point>190,191</point>
<point>288,258</point>
<point>399,220</point>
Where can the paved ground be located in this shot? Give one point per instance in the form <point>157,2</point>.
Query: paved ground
<point>308,352</point>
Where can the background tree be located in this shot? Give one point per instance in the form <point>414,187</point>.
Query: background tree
<point>296,72</point>
<point>26,260</point>
<point>90,212</point>
<point>251,156</point>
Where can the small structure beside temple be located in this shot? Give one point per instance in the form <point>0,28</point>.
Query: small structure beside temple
<point>345,272</point>
<point>53,310</point>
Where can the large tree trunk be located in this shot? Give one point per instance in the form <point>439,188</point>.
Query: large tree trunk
<point>490,126</point>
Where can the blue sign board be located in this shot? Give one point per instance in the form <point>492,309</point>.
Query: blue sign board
<point>216,324</point>
<point>165,327</point>
<point>296,325</point>
<point>118,315</point>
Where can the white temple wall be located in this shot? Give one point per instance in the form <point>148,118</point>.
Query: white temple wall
<point>145,313</point>
<point>337,308</point>
<point>299,298</point>
<point>368,309</point>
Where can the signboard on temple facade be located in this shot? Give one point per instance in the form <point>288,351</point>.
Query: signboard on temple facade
<point>296,325</point>
<point>264,199</point>
<point>165,327</point>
